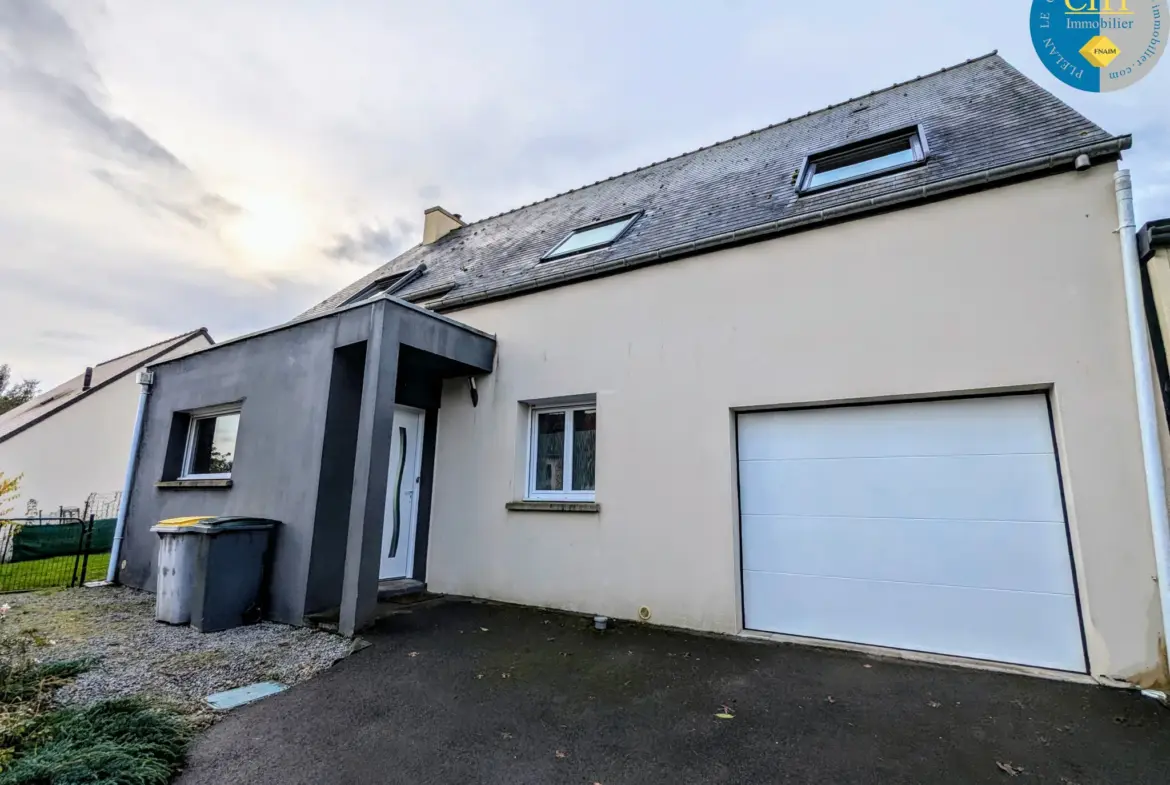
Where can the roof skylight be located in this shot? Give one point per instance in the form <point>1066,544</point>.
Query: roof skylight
<point>590,237</point>
<point>871,158</point>
<point>376,288</point>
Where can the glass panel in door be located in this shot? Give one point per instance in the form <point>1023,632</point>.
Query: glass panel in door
<point>398,528</point>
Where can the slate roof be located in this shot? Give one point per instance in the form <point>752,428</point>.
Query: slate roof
<point>68,393</point>
<point>983,120</point>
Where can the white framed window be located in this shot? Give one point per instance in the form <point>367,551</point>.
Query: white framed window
<point>562,452</point>
<point>883,155</point>
<point>211,443</point>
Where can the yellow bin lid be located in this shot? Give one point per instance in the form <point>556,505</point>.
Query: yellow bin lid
<point>191,520</point>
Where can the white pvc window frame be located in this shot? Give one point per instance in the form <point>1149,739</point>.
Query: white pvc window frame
<point>209,413</point>
<point>914,136</point>
<point>565,494</point>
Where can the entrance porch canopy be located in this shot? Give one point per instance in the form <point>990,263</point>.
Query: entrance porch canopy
<point>408,350</point>
<point>317,398</point>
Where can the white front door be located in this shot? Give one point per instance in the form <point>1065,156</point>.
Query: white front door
<point>402,486</point>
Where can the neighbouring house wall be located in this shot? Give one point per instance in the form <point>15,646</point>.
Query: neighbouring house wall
<point>82,448</point>
<point>1158,268</point>
<point>1010,288</point>
<point>1157,290</point>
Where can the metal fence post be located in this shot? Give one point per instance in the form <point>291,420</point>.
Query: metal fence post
<point>77,555</point>
<point>87,539</point>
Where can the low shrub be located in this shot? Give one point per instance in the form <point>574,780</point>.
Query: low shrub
<point>114,742</point>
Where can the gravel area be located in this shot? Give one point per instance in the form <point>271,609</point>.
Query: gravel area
<point>136,655</point>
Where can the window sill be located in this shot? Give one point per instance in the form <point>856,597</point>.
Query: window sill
<point>535,506</point>
<point>175,485</point>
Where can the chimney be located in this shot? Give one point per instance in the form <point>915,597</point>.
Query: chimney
<point>437,223</point>
<point>88,380</point>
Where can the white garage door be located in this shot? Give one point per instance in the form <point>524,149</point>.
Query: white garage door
<point>934,526</point>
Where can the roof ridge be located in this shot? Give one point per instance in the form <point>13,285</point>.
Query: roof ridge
<point>737,137</point>
<point>180,336</point>
<point>72,395</point>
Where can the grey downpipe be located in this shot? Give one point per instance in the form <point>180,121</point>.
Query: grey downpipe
<point>1147,405</point>
<point>145,380</point>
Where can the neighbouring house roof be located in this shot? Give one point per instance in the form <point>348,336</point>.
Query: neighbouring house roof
<point>1154,235</point>
<point>63,395</point>
<point>984,122</point>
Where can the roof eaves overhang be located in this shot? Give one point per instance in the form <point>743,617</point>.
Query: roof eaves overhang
<point>83,394</point>
<point>334,313</point>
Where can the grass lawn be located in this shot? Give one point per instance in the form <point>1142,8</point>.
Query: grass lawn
<point>47,573</point>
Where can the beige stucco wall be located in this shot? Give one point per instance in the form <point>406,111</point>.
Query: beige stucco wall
<point>81,449</point>
<point>1158,267</point>
<point>1018,287</point>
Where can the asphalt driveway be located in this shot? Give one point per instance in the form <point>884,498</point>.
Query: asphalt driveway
<point>459,692</point>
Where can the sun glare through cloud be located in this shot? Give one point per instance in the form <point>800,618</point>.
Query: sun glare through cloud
<point>269,232</point>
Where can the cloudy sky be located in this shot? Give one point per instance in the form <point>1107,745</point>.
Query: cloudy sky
<point>228,163</point>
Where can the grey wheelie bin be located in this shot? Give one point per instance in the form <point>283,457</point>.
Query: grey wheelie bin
<point>228,569</point>
<point>175,575</point>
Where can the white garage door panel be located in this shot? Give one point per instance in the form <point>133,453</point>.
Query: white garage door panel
<point>960,487</point>
<point>968,553</point>
<point>975,426</point>
<point>1028,629</point>
<point>934,526</point>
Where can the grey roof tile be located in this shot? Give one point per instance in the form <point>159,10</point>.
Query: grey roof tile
<point>48,403</point>
<point>979,115</point>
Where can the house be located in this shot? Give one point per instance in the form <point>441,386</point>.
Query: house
<point>862,376</point>
<point>1154,254</point>
<point>74,440</point>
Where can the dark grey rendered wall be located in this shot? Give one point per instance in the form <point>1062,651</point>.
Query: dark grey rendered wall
<point>336,479</point>
<point>302,390</point>
<point>417,385</point>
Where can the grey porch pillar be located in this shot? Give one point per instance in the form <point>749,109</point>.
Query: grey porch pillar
<point>359,589</point>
